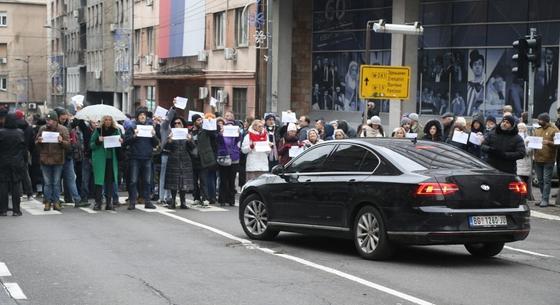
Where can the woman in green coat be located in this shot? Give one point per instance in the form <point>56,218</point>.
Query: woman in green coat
<point>104,161</point>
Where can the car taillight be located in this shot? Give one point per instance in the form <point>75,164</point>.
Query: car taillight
<point>434,189</point>
<point>518,187</point>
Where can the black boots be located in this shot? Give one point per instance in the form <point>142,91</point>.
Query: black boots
<point>131,206</point>
<point>97,206</point>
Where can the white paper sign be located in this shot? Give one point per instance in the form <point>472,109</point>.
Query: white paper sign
<point>191,113</point>
<point>179,133</point>
<point>161,112</point>
<point>111,141</point>
<point>535,142</point>
<point>209,124</point>
<point>295,151</point>
<point>460,137</point>
<point>262,146</point>
<point>50,137</point>
<point>475,139</point>
<point>411,135</point>
<point>231,131</point>
<point>145,131</point>
<point>289,117</point>
<point>181,102</point>
<point>557,138</point>
<point>213,102</point>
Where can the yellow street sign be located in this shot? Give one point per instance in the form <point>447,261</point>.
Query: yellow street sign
<point>384,82</point>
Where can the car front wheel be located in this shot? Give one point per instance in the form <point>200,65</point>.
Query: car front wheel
<point>485,250</point>
<point>369,235</point>
<point>255,219</point>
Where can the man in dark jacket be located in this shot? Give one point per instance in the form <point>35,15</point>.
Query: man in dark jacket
<point>504,145</point>
<point>13,167</point>
<point>140,160</point>
<point>447,122</point>
<point>29,137</point>
<point>200,174</point>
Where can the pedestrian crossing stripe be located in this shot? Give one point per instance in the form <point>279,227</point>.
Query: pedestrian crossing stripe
<point>35,208</point>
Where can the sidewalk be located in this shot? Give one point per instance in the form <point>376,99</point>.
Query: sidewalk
<point>551,210</point>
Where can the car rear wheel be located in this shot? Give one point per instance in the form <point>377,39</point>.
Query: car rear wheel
<point>370,237</point>
<point>255,219</point>
<point>485,250</point>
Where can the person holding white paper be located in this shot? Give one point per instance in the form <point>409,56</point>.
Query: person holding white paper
<point>228,159</point>
<point>545,157</point>
<point>257,162</point>
<point>140,159</point>
<point>460,126</point>
<point>477,130</point>
<point>105,162</point>
<point>288,141</point>
<point>504,146</point>
<point>179,172</point>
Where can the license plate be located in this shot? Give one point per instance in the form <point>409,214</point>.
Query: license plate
<point>487,221</point>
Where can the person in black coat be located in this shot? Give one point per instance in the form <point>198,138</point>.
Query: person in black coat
<point>179,173</point>
<point>12,164</point>
<point>478,129</point>
<point>504,145</point>
<point>433,131</point>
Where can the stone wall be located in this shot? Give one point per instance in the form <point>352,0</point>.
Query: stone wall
<point>302,57</point>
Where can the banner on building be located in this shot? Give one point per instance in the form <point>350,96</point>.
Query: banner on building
<point>181,28</point>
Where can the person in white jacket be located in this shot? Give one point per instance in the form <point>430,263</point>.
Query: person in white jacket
<point>524,165</point>
<point>257,152</point>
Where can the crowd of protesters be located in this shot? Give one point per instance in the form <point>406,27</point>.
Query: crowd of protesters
<point>210,164</point>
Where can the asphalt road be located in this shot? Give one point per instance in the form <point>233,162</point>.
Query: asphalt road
<point>203,257</point>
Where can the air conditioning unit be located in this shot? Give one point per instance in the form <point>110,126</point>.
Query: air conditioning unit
<point>32,106</point>
<point>112,27</point>
<point>3,60</point>
<point>230,54</point>
<point>149,2</point>
<point>76,13</point>
<point>149,60</point>
<point>222,96</point>
<point>162,61</point>
<point>202,56</point>
<point>202,92</point>
<point>97,74</point>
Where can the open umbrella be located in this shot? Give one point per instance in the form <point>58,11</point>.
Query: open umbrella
<point>97,112</point>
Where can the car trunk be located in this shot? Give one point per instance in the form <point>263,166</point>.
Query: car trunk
<point>479,189</point>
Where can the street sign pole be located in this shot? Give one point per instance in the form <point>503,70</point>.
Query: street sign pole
<point>530,102</point>
<point>369,26</point>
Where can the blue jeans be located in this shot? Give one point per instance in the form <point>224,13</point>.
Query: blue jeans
<point>211,185</point>
<point>69,176</point>
<point>86,177</point>
<point>544,175</point>
<point>140,169</point>
<point>164,194</point>
<point>51,182</point>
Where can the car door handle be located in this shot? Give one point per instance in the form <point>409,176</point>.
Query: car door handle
<point>352,180</point>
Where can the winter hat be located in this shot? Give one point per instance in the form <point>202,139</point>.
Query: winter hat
<point>405,121</point>
<point>269,115</point>
<point>312,130</point>
<point>292,127</point>
<point>413,116</point>
<point>196,117</point>
<point>460,121</point>
<point>60,111</point>
<point>375,120</point>
<point>448,115</point>
<point>19,114</point>
<point>543,117</point>
<point>141,110</point>
<point>491,118</point>
<point>511,119</point>
<point>52,115</point>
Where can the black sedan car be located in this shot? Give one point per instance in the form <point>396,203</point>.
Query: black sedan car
<point>384,192</point>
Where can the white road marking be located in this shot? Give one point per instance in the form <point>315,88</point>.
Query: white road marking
<point>4,270</point>
<point>207,209</point>
<point>88,210</point>
<point>251,245</point>
<point>544,216</point>
<point>15,291</point>
<point>528,252</point>
<point>35,207</point>
<point>158,209</point>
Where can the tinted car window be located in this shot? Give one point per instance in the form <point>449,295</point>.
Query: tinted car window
<point>346,158</point>
<point>311,160</point>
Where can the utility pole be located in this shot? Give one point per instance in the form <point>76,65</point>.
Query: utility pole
<point>269,57</point>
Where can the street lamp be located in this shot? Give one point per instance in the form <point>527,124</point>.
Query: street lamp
<point>26,61</point>
<point>64,70</point>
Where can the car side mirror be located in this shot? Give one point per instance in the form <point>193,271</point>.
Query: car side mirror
<point>278,170</point>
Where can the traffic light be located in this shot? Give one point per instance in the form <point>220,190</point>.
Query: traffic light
<point>520,64</point>
<point>534,50</point>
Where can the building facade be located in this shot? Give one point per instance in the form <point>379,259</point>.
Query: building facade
<point>23,54</point>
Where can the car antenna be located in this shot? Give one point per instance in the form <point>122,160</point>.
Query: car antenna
<point>414,140</point>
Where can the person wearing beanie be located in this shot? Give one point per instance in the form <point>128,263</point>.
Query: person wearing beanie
<point>415,126</point>
<point>477,130</point>
<point>52,156</point>
<point>504,146</point>
<point>200,174</point>
<point>406,124</point>
<point>490,122</point>
<point>288,141</point>
<point>140,160</point>
<point>460,125</point>
<point>313,138</point>
<point>71,193</point>
<point>274,138</point>
<point>447,120</point>
<point>13,165</point>
<point>339,134</point>
<point>545,157</point>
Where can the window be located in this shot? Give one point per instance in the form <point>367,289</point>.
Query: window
<point>137,42</point>
<point>351,158</point>
<point>219,29</point>
<point>3,18</point>
<point>240,103</point>
<point>151,98</point>
<point>241,28</point>
<point>150,38</point>
<point>311,161</point>
<point>3,83</point>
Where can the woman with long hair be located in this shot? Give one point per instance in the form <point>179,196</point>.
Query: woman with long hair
<point>179,173</point>
<point>104,161</point>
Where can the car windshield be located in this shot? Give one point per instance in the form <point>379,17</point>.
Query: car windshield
<point>437,156</point>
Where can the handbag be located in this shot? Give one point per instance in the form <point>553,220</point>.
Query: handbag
<point>224,160</point>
